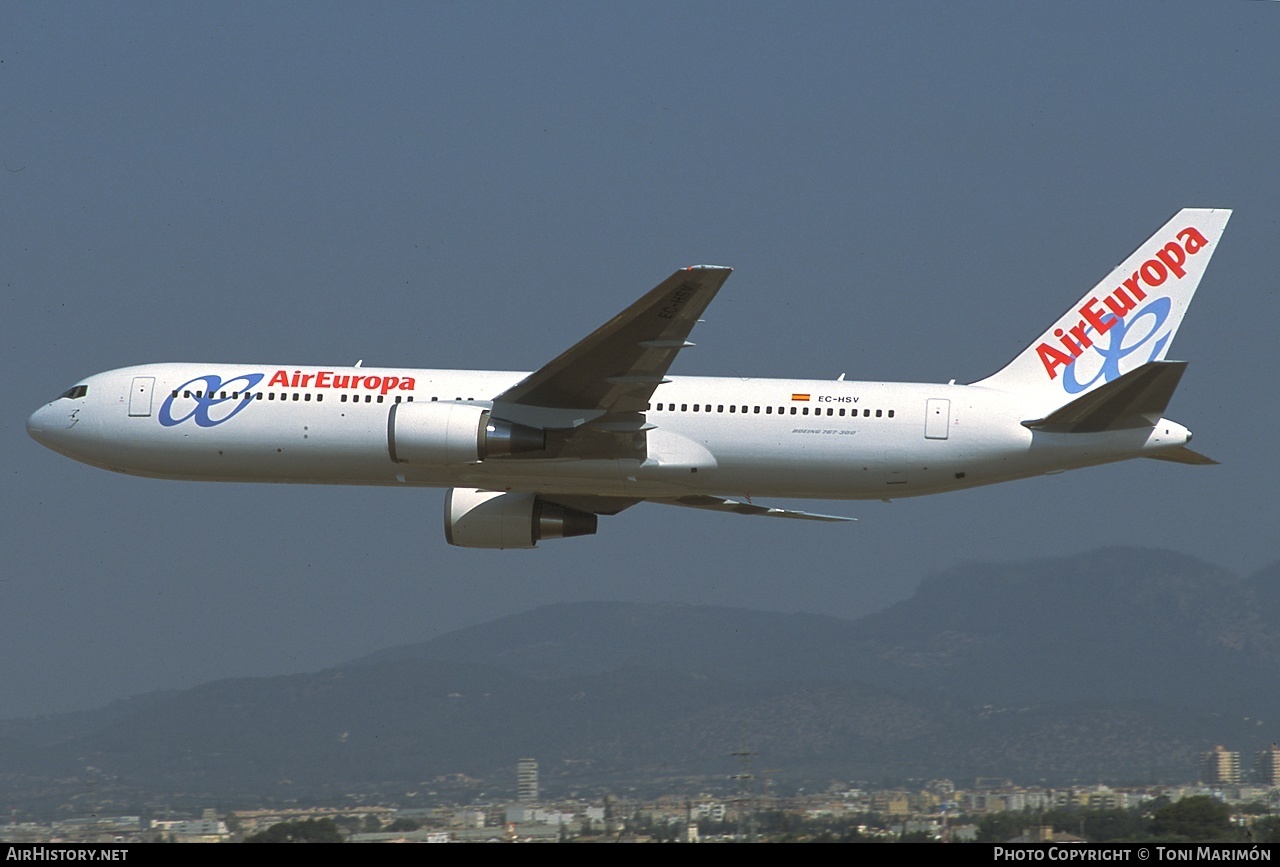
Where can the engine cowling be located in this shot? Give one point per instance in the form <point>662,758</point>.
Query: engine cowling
<point>490,519</point>
<point>445,433</point>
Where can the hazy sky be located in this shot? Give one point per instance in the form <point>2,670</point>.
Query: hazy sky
<point>907,191</point>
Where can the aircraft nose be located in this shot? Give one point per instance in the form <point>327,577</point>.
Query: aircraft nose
<point>46,423</point>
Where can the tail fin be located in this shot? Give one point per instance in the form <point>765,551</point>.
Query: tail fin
<point>1127,320</point>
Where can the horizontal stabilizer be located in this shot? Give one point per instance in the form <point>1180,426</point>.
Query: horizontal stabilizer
<point>720,504</point>
<point>1136,399</point>
<point>1184,455</point>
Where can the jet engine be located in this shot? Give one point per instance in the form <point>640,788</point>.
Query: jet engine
<point>490,519</point>
<point>443,433</point>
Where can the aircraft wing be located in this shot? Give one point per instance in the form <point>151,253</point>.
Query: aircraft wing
<point>602,505</point>
<point>720,504</point>
<point>614,370</point>
<point>592,503</point>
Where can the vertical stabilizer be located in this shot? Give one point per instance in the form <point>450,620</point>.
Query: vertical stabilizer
<point>1127,320</point>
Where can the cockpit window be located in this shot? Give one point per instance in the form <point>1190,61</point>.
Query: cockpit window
<point>73,393</point>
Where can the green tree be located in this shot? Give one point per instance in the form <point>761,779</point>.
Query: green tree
<point>1099,826</point>
<point>349,824</point>
<point>998,827</point>
<point>302,831</point>
<point>1196,818</point>
<point>853,835</point>
<point>916,837</point>
<point>1266,830</point>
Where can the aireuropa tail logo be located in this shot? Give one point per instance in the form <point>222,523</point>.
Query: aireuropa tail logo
<point>1144,328</point>
<point>1130,328</point>
<point>211,402</point>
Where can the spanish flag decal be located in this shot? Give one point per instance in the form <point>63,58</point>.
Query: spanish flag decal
<point>799,397</point>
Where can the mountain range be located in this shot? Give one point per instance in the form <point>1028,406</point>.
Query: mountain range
<point>1120,665</point>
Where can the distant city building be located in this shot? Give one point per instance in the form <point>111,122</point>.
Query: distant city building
<point>1220,767</point>
<point>891,803</point>
<point>1269,765</point>
<point>193,830</point>
<point>527,781</point>
<point>1045,834</point>
<point>467,818</point>
<point>714,811</point>
<point>1099,798</point>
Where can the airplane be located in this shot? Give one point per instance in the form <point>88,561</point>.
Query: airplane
<point>534,456</point>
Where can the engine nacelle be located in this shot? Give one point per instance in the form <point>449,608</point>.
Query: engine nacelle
<point>445,433</point>
<point>489,519</point>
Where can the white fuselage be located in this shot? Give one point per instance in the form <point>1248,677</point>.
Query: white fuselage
<point>718,436</point>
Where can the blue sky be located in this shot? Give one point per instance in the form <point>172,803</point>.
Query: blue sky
<point>908,191</point>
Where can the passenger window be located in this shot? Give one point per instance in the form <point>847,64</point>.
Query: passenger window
<point>890,413</point>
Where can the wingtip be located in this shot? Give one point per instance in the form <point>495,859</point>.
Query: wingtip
<point>708,268</point>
